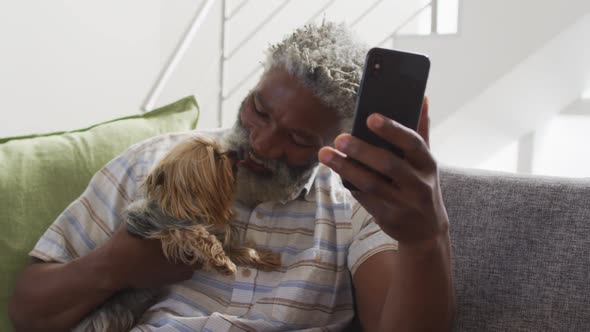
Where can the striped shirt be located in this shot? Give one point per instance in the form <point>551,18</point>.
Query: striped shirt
<point>322,234</point>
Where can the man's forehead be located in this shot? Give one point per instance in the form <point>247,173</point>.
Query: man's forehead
<point>279,84</point>
<point>296,107</point>
<point>302,129</point>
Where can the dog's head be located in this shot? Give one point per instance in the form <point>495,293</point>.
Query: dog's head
<point>195,181</point>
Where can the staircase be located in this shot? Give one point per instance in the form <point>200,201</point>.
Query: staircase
<point>479,99</point>
<point>511,67</point>
<point>221,62</point>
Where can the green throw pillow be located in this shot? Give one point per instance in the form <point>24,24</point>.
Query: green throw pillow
<point>41,175</point>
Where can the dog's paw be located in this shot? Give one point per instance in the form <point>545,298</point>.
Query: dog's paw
<point>228,268</point>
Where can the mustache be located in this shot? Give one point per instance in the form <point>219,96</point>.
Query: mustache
<point>242,145</point>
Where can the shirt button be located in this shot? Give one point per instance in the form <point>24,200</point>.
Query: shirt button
<point>246,273</point>
<point>318,257</point>
<point>259,215</point>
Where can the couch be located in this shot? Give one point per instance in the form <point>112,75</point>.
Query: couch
<point>521,245</point>
<point>521,248</point>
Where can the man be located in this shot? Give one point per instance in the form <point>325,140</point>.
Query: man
<point>339,256</point>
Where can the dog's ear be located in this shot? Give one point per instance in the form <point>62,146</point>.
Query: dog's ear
<point>153,181</point>
<point>159,178</point>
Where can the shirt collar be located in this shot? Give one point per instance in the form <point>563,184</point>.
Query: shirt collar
<point>307,188</point>
<point>305,191</point>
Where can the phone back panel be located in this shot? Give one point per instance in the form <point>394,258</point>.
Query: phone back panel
<point>393,84</point>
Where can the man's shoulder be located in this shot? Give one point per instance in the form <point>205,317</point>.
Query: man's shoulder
<point>143,155</point>
<point>328,183</point>
<point>329,180</point>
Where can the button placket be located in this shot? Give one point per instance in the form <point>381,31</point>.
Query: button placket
<point>317,257</point>
<point>243,292</point>
<point>246,273</point>
<point>245,277</point>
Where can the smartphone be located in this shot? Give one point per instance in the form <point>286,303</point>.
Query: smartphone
<point>393,84</point>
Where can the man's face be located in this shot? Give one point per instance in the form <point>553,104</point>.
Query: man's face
<point>280,128</point>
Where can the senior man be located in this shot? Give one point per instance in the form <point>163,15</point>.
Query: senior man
<point>382,252</point>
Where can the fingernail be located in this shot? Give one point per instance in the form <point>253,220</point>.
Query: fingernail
<point>377,120</point>
<point>326,157</point>
<point>342,143</point>
<point>330,159</point>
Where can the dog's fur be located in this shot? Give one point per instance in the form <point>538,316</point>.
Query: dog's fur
<point>188,207</point>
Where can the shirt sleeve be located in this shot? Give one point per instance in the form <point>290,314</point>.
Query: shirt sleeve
<point>367,239</point>
<point>90,220</point>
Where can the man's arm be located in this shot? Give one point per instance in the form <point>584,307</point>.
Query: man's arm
<point>415,290</point>
<point>406,290</point>
<point>55,296</point>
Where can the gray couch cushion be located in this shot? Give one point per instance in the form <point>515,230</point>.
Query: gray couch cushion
<point>521,248</point>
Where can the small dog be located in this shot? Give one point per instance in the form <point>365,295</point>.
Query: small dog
<point>188,207</point>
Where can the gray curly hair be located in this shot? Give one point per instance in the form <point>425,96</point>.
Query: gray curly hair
<point>327,58</point>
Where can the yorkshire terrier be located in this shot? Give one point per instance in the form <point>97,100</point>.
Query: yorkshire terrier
<point>188,207</point>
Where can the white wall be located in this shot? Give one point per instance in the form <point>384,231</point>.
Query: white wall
<point>68,64</point>
<point>197,73</point>
<point>494,36</point>
<point>510,70</point>
<point>562,147</point>
<point>523,99</point>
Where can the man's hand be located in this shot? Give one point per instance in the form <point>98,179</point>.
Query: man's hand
<point>140,263</point>
<point>412,287</point>
<point>405,200</point>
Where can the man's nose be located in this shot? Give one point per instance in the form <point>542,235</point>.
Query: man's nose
<point>269,144</point>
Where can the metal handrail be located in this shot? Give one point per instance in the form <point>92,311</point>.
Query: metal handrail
<point>433,16</point>
<point>246,77</point>
<point>319,12</point>
<point>365,13</point>
<point>236,10</point>
<point>264,21</point>
<point>243,81</point>
<point>202,14</point>
<point>177,56</point>
<point>221,66</point>
<point>408,21</point>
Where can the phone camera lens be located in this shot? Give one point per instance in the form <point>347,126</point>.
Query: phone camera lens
<point>376,66</point>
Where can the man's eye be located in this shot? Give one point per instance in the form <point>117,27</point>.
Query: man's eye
<point>301,142</point>
<point>303,145</point>
<point>258,111</point>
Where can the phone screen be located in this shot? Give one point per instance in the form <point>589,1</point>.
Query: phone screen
<point>393,84</point>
